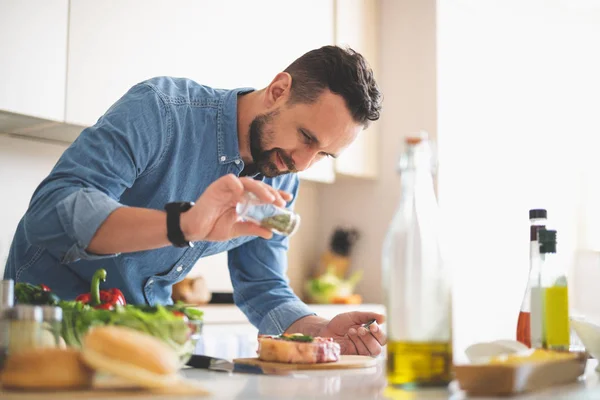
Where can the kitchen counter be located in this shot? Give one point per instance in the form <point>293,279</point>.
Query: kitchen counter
<point>338,384</point>
<point>361,384</point>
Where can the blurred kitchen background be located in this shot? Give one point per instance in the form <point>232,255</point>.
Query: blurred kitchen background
<point>508,89</point>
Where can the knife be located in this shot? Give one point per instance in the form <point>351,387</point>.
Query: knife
<point>221,365</point>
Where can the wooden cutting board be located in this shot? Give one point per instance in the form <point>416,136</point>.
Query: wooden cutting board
<point>345,362</point>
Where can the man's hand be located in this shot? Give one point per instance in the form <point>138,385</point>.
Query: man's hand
<point>347,330</point>
<point>214,218</point>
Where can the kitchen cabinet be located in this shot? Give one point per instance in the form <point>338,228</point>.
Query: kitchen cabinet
<point>118,43</point>
<point>357,23</point>
<point>115,44</point>
<point>33,43</point>
<point>70,60</point>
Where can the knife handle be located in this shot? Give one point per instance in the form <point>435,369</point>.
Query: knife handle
<point>199,361</point>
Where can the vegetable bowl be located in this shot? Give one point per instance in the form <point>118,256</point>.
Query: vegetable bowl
<point>179,326</point>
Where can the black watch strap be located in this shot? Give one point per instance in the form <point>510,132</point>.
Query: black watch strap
<point>174,232</point>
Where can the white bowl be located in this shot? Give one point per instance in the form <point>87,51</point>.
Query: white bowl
<point>480,353</point>
<point>589,334</point>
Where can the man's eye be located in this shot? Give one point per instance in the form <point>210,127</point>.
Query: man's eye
<point>307,139</point>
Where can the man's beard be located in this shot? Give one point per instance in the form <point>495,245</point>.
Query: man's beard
<point>260,135</point>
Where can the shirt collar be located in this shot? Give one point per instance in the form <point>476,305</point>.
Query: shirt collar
<point>228,147</point>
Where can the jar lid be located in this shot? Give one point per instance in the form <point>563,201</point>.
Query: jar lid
<point>26,312</point>
<point>52,314</point>
<point>7,293</point>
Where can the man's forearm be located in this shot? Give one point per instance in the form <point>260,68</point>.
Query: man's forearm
<point>310,325</point>
<point>129,229</point>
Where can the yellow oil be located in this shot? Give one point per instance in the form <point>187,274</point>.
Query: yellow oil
<point>419,364</point>
<point>556,317</point>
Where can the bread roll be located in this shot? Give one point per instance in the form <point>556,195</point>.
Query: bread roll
<point>46,368</point>
<point>132,347</point>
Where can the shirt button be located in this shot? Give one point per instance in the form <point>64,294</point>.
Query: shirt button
<point>237,162</point>
<point>223,158</point>
<point>150,282</point>
<point>179,269</point>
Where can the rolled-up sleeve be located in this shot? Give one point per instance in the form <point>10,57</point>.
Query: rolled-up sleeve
<point>260,284</point>
<point>85,185</point>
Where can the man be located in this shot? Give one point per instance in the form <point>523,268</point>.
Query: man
<point>172,144</point>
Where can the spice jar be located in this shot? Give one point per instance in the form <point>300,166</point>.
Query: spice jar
<point>25,327</point>
<point>6,304</point>
<point>52,320</point>
<point>279,220</point>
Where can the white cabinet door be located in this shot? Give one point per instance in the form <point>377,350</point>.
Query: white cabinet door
<point>33,48</point>
<point>114,44</point>
<point>357,27</point>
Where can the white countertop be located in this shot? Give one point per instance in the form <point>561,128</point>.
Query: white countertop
<point>361,384</point>
<point>368,383</point>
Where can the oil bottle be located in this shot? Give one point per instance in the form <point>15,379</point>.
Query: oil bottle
<point>416,281</point>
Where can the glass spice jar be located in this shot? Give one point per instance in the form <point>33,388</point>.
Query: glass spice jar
<point>25,327</point>
<point>50,336</point>
<point>279,220</point>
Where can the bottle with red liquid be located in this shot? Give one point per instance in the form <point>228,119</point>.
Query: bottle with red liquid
<point>537,220</point>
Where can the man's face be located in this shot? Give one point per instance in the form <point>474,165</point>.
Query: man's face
<point>292,138</point>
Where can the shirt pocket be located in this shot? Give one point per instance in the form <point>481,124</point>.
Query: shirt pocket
<point>31,255</point>
<point>157,286</point>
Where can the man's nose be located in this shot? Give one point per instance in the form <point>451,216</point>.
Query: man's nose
<point>304,159</point>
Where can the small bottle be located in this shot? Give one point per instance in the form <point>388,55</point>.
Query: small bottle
<point>279,220</point>
<point>417,283</point>
<point>52,323</point>
<point>528,331</point>
<point>6,304</point>
<point>25,327</point>
<point>555,294</point>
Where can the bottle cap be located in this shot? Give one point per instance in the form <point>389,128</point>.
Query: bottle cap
<point>7,294</point>
<point>52,314</point>
<point>26,312</point>
<point>547,239</point>
<point>538,213</point>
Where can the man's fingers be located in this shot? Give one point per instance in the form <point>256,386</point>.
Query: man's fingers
<point>361,349</point>
<point>346,346</point>
<point>259,189</point>
<point>378,333</point>
<point>369,341</point>
<point>279,200</point>
<point>285,195</point>
<point>363,317</point>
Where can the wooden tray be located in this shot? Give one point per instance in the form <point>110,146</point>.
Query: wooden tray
<point>345,362</point>
<point>503,380</point>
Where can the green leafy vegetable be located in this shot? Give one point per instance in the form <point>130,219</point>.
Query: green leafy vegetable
<point>297,338</point>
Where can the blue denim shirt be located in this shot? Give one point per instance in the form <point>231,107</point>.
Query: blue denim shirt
<point>165,140</point>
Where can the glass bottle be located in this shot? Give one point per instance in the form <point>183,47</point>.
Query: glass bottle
<point>555,294</point>
<point>417,284</point>
<point>279,220</point>
<point>7,294</point>
<point>525,335</point>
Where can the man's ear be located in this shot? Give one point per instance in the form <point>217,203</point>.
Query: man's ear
<point>278,90</point>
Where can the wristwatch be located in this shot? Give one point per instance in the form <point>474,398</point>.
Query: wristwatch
<point>174,232</point>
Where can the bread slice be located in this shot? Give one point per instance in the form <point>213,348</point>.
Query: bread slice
<point>297,349</point>
<point>46,369</point>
